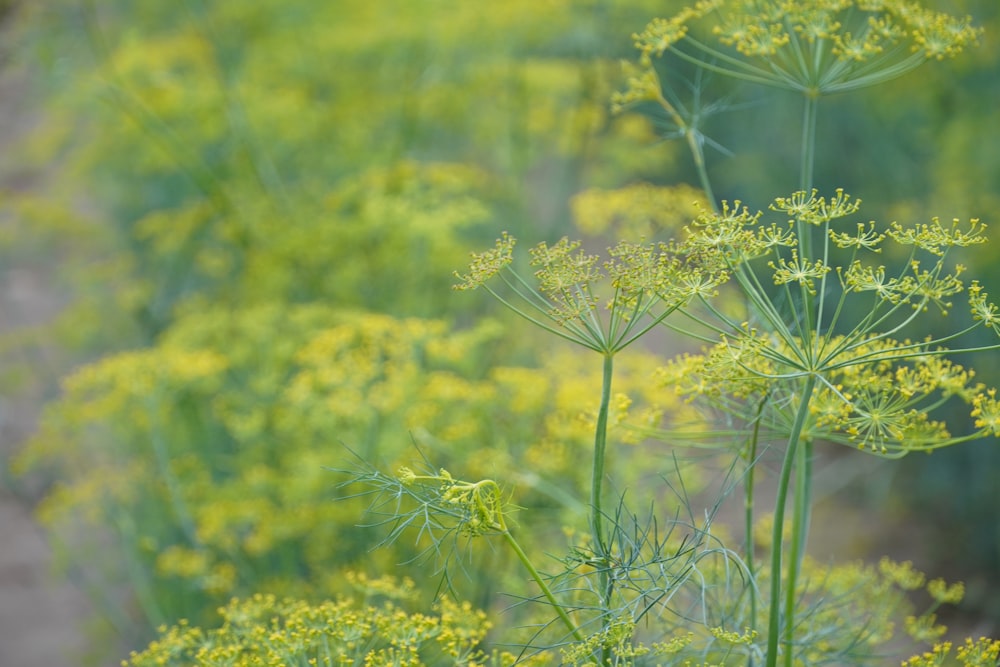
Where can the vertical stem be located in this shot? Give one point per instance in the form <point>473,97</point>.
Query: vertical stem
<point>808,155</point>
<point>600,445</point>
<point>748,527</point>
<point>801,506</point>
<point>748,507</point>
<point>806,160</point>
<point>596,516</point>
<point>777,542</point>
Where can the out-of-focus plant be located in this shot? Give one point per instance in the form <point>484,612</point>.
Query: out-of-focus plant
<point>210,172</point>
<point>236,154</point>
<point>203,458</point>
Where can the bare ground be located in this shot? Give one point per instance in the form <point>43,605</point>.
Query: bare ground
<point>40,619</point>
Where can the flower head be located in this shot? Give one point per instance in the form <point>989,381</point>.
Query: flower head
<point>487,264</point>
<point>812,46</point>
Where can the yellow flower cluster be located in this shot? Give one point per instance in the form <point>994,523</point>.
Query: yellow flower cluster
<point>266,630</point>
<point>983,652</point>
<point>636,212</point>
<point>813,46</point>
<point>219,440</point>
<point>875,397</point>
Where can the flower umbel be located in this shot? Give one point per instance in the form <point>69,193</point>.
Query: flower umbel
<point>487,264</point>
<point>815,47</point>
<point>641,282</point>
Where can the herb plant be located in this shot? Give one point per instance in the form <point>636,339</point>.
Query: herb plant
<point>822,343</point>
<point>282,240</point>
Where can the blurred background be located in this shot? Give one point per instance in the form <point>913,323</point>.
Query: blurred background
<point>227,238</point>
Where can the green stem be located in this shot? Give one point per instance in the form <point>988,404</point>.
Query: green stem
<point>808,155</point>
<point>546,591</point>
<point>600,445</point>
<point>694,143</point>
<point>606,587</point>
<point>748,512</point>
<point>777,542</point>
<point>801,506</point>
<point>806,161</point>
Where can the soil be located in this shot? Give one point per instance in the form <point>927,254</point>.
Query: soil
<point>40,619</point>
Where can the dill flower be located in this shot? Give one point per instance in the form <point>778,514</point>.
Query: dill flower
<point>798,271</point>
<point>266,630</point>
<point>982,310</point>
<point>871,390</point>
<point>986,411</point>
<point>487,264</point>
<point>816,46</point>
<point>944,593</point>
<point>865,237</point>
<point>642,283</point>
<point>984,652</point>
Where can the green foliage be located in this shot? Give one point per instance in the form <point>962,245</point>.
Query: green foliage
<point>314,152</point>
<point>812,360</point>
<point>265,210</point>
<point>206,457</point>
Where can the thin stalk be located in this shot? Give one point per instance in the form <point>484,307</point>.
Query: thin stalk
<point>801,511</point>
<point>605,584</point>
<point>600,445</point>
<point>748,506</point>
<point>694,142</point>
<point>546,591</point>
<point>806,164</point>
<point>774,615</point>
<point>808,155</point>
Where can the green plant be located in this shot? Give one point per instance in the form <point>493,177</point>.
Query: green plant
<point>371,627</point>
<point>818,344</point>
<point>243,185</point>
<point>202,459</point>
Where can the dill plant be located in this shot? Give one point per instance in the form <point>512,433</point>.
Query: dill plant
<point>822,343</point>
<point>373,626</point>
<point>630,566</point>
<point>831,374</point>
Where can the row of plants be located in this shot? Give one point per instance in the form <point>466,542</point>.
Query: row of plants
<point>303,404</point>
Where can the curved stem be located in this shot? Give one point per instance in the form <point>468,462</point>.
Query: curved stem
<point>697,152</point>
<point>777,542</point>
<point>546,591</point>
